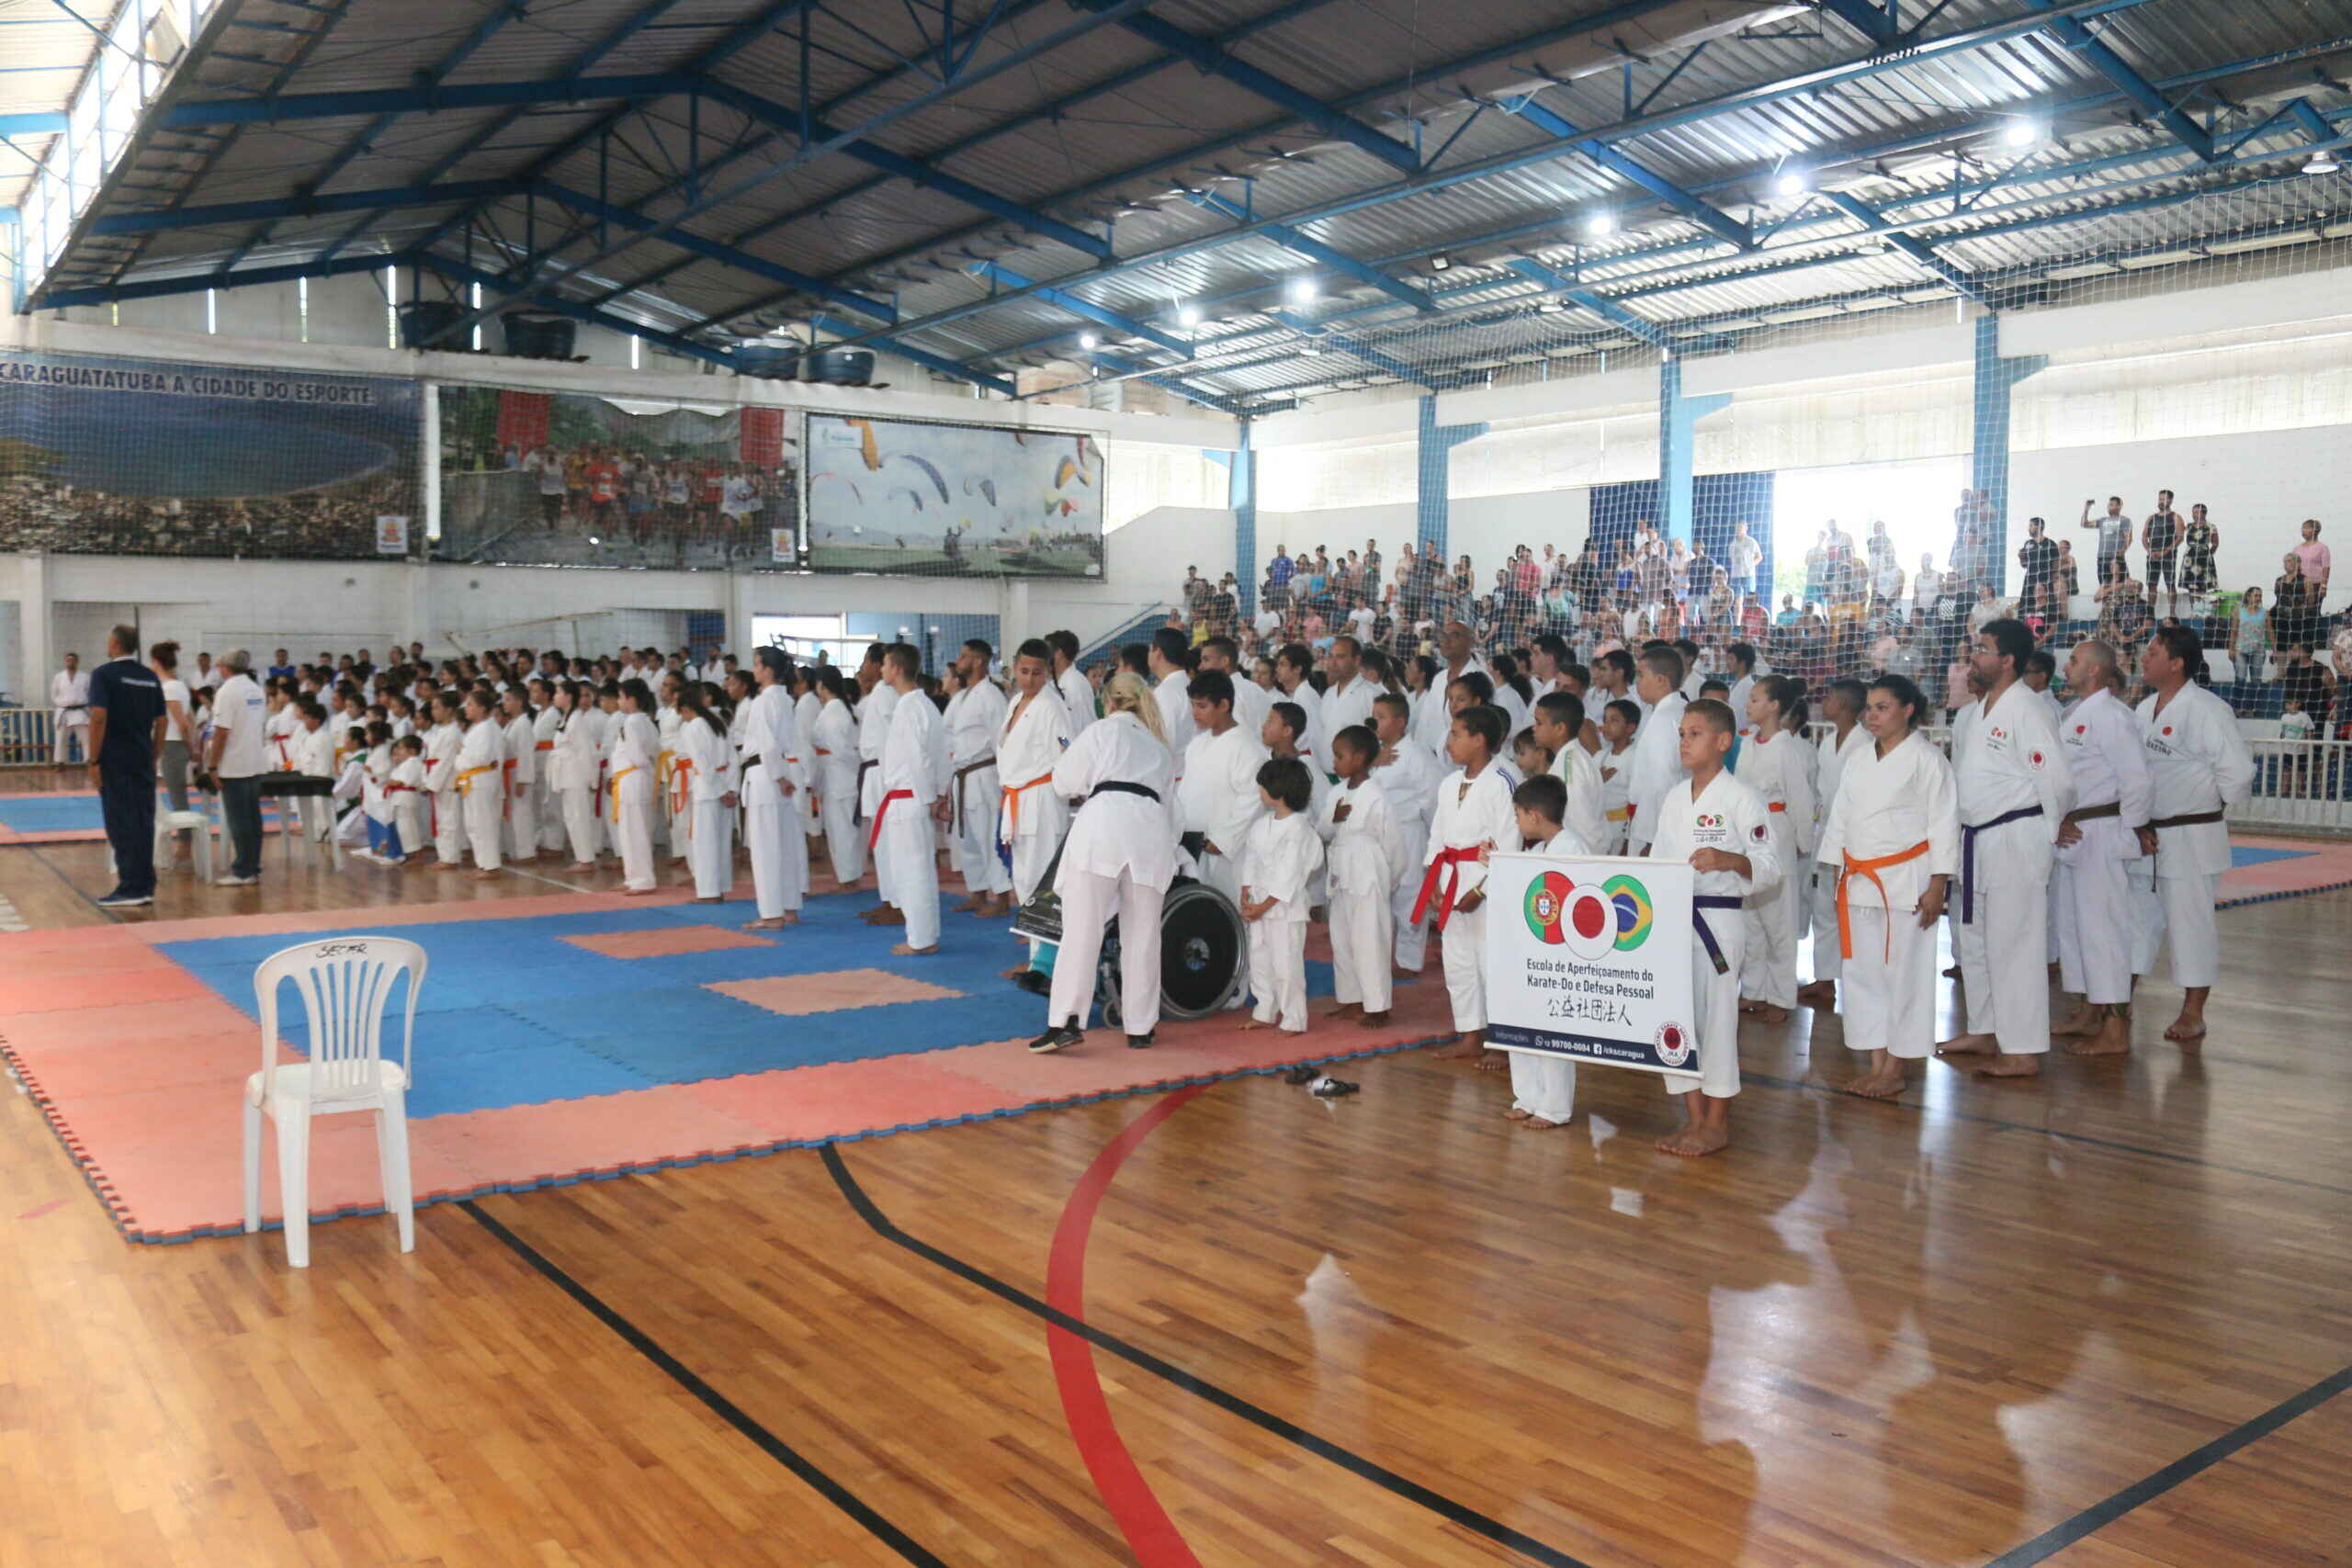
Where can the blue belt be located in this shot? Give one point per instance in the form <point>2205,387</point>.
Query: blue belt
<point>1698,905</point>
<point>1968,856</point>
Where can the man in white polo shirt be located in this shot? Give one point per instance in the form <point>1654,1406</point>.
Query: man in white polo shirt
<point>238,759</point>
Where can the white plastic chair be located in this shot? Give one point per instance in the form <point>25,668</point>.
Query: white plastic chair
<point>199,828</point>
<point>345,983</point>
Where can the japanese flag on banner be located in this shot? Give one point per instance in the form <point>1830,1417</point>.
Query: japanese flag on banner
<point>761,441</point>
<point>523,418</point>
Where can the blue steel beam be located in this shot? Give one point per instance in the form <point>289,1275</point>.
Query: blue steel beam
<point>157,288</point>
<point>685,240</point>
<point>1705,214</point>
<point>460,272</point>
<point>2102,59</point>
<point>31,124</point>
<point>162,219</point>
<point>1920,251</point>
<point>1136,369</point>
<point>916,172</point>
<point>1867,18</point>
<point>1061,299</point>
<point>1215,60</point>
<point>422,99</point>
<point>1291,239</point>
<point>1608,310</point>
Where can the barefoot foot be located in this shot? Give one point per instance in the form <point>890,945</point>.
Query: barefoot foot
<point>2010,1067</point>
<point>905,951</point>
<point>1969,1046</point>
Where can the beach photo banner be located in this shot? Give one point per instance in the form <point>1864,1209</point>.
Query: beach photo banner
<point>100,455</point>
<point>952,500</point>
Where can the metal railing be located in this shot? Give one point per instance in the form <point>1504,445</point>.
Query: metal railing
<point>29,737</point>
<point>2300,786</point>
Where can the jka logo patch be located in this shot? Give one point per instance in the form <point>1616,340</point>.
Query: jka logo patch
<point>1673,1044</point>
<point>2036,760</point>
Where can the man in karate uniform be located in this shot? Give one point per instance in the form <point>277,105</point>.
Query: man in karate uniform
<point>2093,904</point>
<point>1077,692</point>
<point>2014,789</point>
<point>1365,858</point>
<point>69,695</point>
<point>775,770</point>
<point>1348,695</point>
<point>1409,776</point>
<point>1720,828</point>
<point>1842,706</point>
<point>1290,667</point>
<point>1252,702</point>
<point>1170,657</point>
<point>975,794</point>
<point>1217,796</point>
<point>1658,747</point>
<point>1031,817</point>
<point>906,867</point>
<point>875,713</point>
<point>2199,766</point>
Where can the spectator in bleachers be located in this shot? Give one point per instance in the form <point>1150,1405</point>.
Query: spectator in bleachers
<point>2114,527</point>
<point>2316,562</point>
<point>2302,679</point>
<point>2161,534</point>
<point>2294,602</point>
<point>2039,559</point>
<point>2250,638</point>
<point>2199,575</point>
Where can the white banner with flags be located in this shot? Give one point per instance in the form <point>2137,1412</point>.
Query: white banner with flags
<point>1589,958</point>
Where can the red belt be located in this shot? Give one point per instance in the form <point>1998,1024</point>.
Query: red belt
<point>1448,863</point>
<point>883,810</point>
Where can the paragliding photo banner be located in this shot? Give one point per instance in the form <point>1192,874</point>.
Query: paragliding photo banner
<point>887,495</point>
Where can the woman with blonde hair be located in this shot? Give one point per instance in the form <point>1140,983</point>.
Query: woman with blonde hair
<point>1118,859</point>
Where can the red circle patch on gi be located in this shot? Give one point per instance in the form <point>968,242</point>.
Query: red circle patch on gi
<point>2082,729</point>
<point>2033,758</point>
<point>2167,730</point>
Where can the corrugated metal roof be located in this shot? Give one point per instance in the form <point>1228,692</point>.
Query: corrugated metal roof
<point>1104,133</point>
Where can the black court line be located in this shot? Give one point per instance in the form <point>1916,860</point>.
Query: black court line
<point>1931,1112</point>
<point>2056,1539</point>
<point>1412,1491</point>
<point>727,1410</point>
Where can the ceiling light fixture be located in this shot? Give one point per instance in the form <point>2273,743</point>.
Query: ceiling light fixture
<point>2022,134</point>
<point>1088,340</point>
<point>1440,263</point>
<point>1791,182</point>
<point>2323,163</point>
<point>1600,225</point>
<point>1188,315</point>
<point>1302,290</point>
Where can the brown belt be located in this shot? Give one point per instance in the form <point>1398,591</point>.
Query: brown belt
<point>2092,813</point>
<point>966,771</point>
<point>857,807</point>
<point>2186,819</point>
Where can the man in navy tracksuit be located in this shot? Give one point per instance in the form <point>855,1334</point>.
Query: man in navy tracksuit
<point>126,736</point>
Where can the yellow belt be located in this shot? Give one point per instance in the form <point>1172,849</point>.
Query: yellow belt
<point>1623,814</point>
<point>615,785</point>
<point>463,784</point>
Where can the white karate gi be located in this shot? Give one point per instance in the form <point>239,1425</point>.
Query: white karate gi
<point>905,865</point>
<point>704,825</point>
<point>1176,708</point>
<point>1218,796</point>
<point>1470,813</point>
<point>1364,857</point>
<point>1584,816</point>
<point>442,812</point>
<point>1077,699</point>
<point>1316,739</point>
<point>1118,859</point>
<point>480,782</point>
<point>805,709</point>
<point>571,771</point>
<point>1776,770</point>
<point>1657,767</point>
<point>1430,721</point>
<point>1252,704</point>
<point>405,792</point>
<point>1030,815</point>
<point>1542,1084</point>
<point>772,752</point>
<point>1886,807</point>
<point>837,753</point>
<point>1830,757</point>
<point>2101,742</point>
<point>629,784</point>
<point>1738,825</point>
<point>974,718</point>
<point>547,806</point>
<point>522,781</point>
<point>1280,855</point>
<point>1410,781</point>
<point>2007,759</point>
<point>667,826</point>
<point>69,695</point>
<point>2198,763</point>
<point>1345,707</point>
<point>874,711</point>
<point>1616,769</point>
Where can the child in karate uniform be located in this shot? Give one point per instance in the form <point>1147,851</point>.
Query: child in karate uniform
<point>837,770</point>
<point>374,765</point>
<point>1364,854</point>
<point>1473,812</point>
<point>629,780</point>
<point>314,758</point>
<point>702,779</point>
<point>1620,721</point>
<point>571,771</point>
<point>405,792</point>
<point>1557,724</point>
<point>1720,827</point>
<point>441,743</point>
<point>519,736</point>
<point>481,783</point>
<point>547,807</point>
<point>1280,855</point>
<point>1544,1087</point>
<point>1408,775</point>
<point>1774,761</point>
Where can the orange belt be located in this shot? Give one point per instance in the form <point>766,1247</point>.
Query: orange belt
<point>466,775</point>
<point>1449,863</point>
<point>1776,805</point>
<point>682,791</point>
<point>544,746</point>
<point>874,833</point>
<point>1870,868</point>
<point>1013,804</point>
<point>616,783</point>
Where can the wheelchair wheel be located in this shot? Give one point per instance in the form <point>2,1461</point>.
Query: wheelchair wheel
<point>1200,950</point>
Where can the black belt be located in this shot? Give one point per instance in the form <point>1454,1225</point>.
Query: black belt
<point>857,807</point>
<point>1121,786</point>
<point>2092,813</point>
<point>1968,856</point>
<point>2186,819</point>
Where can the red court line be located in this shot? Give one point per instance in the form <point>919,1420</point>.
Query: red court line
<point>1151,1535</point>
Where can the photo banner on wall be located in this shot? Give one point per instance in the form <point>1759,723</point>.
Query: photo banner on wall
<point>568,478</point>
<point>100,455</point>
<point>904,496</point>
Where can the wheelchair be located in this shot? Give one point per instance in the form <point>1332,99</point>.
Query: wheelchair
<point>1201,947</point>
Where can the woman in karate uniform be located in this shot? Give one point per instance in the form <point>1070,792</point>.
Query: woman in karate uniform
<point>481,783</point>
<point>628,780</point>
<point>702,785</point>
<point>1892,836</point>
<point>1775,764</point>
<point>521,740</point>
<point>571,771</point>
<point>806,702</point>
<point>441,743</point>
<point>1118,859</point>
<point>837,757</point>
<point>547,807</point>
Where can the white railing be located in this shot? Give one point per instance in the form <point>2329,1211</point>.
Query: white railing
<point>2300,786</point>
<point>28,737</point>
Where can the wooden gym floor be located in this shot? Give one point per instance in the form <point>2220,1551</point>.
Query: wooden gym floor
<point>2101,1322</point>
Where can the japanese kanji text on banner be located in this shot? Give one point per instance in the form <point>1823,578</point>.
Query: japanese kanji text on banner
<point>1589,959</point>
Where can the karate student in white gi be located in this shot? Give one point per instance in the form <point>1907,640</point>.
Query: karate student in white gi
<point>1282,853</point>
<point>1720,827</point>
<point>547,807</point>
<point>1776,762</point>
<point>1620,722</point>
<point>1841,708</point>
<point>1036,728</point>
<point>1251,700</point>
<point>1892,840</point>
<point>1557,721</point>
<point>975,718</point>
<point>671,803</point>
<point>808,702</point>
<point>2014,791</point>
<point>479,782</point>
<point>873,712</point>
<point>1408,775</point>
<point>837,777</point>
<point>906,867</point>
<point>1544,1087</point>
<point>2199,766</point>
<point>571,769</point>
<point>775,781</point>
<point>442,811</point>
<point>1348,691</point>
<point>1217,792</point>
<point>1291,668</point>
<point>1657,749</point>
<point>1118,859</point>
<point>1365,859</point>
<point>1171,660</point>
<point>402,793</point>
<point>1473,814</point>
<point>2109,767</point>
<point>69,701</point>
<point>1077,692</point>
<point>702,786</point>
<point>520,738</point>
<point>629,783</point>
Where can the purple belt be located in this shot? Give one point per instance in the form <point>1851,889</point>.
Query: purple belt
<point>1968,856</point>
<point>1698,905</point>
